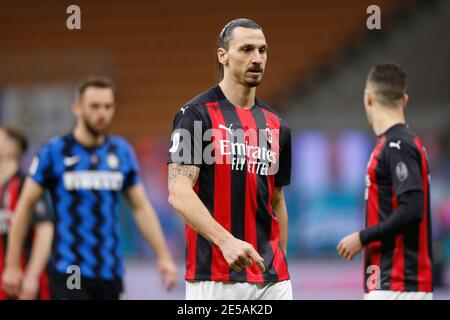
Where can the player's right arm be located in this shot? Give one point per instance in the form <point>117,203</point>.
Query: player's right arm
<point>12,275</point>
<point>182,197</point>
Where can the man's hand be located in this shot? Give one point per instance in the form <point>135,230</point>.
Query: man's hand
<point>349,246</point>
<point>240,254</point>
<point>167,272</point>
<point>12,281</point>
<point>30,287</point>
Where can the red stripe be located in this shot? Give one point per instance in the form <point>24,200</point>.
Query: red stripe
<point>279,262</point>
<point>398,259</point>
<point>14,191</point>
<point>44,287</point>
<point>2,256</point>
<point>424,276</point>
<point>373,209</point>
<point>191,243</point>
<point>191,260</point>
<point>2,294</point>
<point>220,271</point>
<point>251,191</point>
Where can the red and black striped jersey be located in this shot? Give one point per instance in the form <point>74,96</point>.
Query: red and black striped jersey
<point>243,154</point>
<point>9,195</point>
<point>398,252</point>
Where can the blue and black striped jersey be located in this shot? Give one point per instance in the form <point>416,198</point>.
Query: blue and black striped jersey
<point>85,184</point>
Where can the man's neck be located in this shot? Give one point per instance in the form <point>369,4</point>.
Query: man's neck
<point>239,95</point>
<point>7,169</point>
<point>86,138</point>
<point>386,118</point>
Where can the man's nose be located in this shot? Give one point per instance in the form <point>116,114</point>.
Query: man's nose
<point>257,58</point>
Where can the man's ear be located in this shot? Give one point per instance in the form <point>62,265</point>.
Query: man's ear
<point>368,98</point>
<point>222,56</point>
<point>76,108</point>
<point>405,100</point>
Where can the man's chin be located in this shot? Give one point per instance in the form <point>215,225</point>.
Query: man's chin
<point>253,82</point>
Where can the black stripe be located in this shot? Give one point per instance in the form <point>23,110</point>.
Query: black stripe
<point>263,216</point>
<point>112,149</point>
<point>368,256</point>
<point>411,240</point>
<point>54,257</point>
<point>429,227</point>
<point>238,189</point>
<point>412,236</point>
<point>203,260</point>
<point>69,143</point>
<point>96,211</point>
<point>385,209</point>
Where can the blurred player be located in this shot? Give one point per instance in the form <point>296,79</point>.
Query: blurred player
<point>85,172</point>
<point>234,206</point>
<point>397,237</point>
<point>13,145</point>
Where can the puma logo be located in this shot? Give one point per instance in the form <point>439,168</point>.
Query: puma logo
<point>184,109</point>
<point>395,144</point>
<point>221,126</point>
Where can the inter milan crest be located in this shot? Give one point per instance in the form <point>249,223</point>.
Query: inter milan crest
<point>113,161</point>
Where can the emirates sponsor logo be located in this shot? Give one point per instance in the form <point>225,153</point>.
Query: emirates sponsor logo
<point>256,151</point>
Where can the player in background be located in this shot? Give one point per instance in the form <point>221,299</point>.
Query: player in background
<point>233,206</point>
<point>85,172</point>
<point>397,236</point>
<point>13,145</point>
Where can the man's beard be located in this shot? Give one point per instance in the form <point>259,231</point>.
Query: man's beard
<point>96,133</point>
<point>253,83</point>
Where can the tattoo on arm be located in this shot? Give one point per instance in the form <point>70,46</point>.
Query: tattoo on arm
<point>189,171</point>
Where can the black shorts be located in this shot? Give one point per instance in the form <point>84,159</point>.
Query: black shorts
<point>90,289</point>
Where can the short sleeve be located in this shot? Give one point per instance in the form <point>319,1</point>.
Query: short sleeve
<point>283,176</point>
<point>187,137</point>
<point>403,160</point>
<point>133,173</point>
<point>41,168</point>
<point>43,210</point>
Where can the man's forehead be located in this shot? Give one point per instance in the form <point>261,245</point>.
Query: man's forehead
<point>243,35</point>
<point>98,93</point>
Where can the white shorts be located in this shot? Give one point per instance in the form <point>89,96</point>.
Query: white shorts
<point>397,295</point>
<point>214,290</point>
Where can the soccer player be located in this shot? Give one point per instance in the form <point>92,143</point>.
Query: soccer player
<point>397,236</point>
<point>13,145</point>
<point>230,191</point>
<point>85,172</point>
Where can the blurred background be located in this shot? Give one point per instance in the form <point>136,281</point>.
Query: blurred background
<point>162,53</point>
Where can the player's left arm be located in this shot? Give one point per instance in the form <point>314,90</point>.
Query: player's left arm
<point>280,209</point>
<point>148,223</point>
